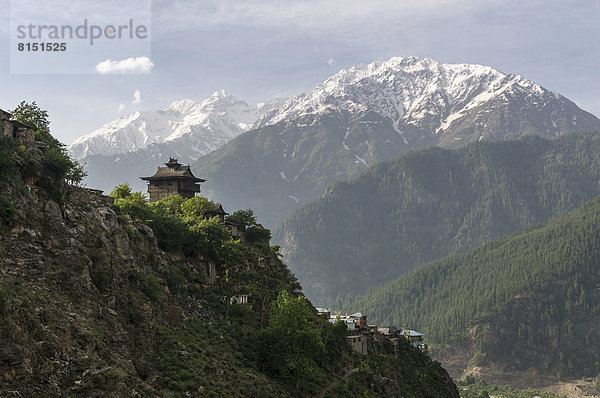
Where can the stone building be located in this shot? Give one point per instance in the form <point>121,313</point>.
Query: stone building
<point>172,179</point>
<point>358,344</point>
<point>14,128</point>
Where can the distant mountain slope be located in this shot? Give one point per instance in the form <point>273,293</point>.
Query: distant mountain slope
<point>428,204</point>
<point>371,113</point>
<point>528,301</point>
<point>134,145</point>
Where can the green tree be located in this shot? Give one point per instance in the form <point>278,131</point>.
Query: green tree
<point>208,234</point>
<point>76,174</point>
<point>243,218</point>
<point>121,191</point>
<point>293,339</point>
<point>232,273</point>
<point>334,336</point>
<point>263,286</point>
<point>31,115</point>
<point>170,230</point>
<point>195,208</point>
<point>170,205</point>
<point>134,204</point>
<point>54,158</point>
<point>258,234</point>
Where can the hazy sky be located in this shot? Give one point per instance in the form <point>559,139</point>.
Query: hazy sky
<point>265,48</point>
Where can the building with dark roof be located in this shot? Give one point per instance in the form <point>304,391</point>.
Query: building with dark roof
<point>14,128</point>
<point>174,179</point>
<point>217,211</point>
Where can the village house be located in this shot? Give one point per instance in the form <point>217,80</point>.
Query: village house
<point>324,311</point>
<point>415,338</point>
<point>240,299</point>
<point>350,324</point>
<point>393,335</point>
<point>359,319</point>
<point>173,179</point>
<point>372,329</point>
<point>356,323</point>
<point>15,129</point>
<point>358,344</point>
<point>217,211</point>
<point>390,331</point>
<point>359,331</point>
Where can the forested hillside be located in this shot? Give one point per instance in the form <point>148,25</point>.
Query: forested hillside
<point>428,204</point>
<point>525,301</point>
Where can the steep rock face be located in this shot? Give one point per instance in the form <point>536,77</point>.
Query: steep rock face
<point>65,276</point>
<point>371,113</point>
<point>90,306</point>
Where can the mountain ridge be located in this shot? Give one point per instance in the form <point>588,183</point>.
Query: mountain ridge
<point>214,120</point>
<point>373,113</point>
<point>430,203</point>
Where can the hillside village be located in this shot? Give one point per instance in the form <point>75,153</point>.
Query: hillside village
<point>359,331</point>
<point>176,179</point>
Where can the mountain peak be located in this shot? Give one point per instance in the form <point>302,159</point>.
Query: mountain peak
<point>407,90</point>
<point>212,121</point>
<point>220,94</point>
<point>182,106</point>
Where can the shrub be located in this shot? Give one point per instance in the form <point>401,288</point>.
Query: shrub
<point>121,191</point>
<point>3,303</point>
<point>151,287</point>
<point>135,205</point>
<point>7,210</point>
<point>258,234</point>
<point>243,218</point>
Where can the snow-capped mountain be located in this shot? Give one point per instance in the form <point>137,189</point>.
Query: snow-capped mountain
<point>418,93</point>
<point>374,112</point>
<point>201,126</point>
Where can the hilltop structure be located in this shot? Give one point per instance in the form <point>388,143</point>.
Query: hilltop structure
<point>174,179</point>
<point>15,129</point>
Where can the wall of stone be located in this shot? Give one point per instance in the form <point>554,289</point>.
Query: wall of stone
<point>88,195</point>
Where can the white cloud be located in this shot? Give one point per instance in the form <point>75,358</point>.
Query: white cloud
<point>330,61</point>
<point>132,65</point>
<point>121,108</point>
<point>137,97</point>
